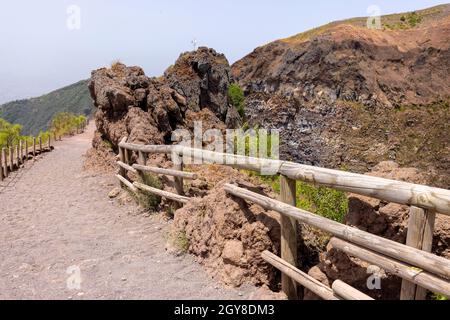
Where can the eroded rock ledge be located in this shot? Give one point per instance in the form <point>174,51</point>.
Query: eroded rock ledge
<point>147,110</point>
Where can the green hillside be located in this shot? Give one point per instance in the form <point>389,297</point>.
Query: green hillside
<point>35,114</point>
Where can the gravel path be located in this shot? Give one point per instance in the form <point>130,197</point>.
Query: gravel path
<point>58,226</point>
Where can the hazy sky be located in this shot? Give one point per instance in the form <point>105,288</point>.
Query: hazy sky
<point>40,53</point>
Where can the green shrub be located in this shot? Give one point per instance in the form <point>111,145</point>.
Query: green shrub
<point>437,296</point>
<point>323,201</point>
<point>9,134</point>
<point>181,241</point>
<point>66,123</point>
<point>108,144</point>
<point>326,202</point>
<point>414,19</point>
<point>237,98</point>
<point>148,200</point>
<point>409,20</point>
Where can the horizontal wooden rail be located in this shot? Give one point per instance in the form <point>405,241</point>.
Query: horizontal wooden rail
<point>399,259</point>
<point>380,188</point>
<point>341,289</point>
<point>13,157</point>
<point>165,149</point>
<point>384,189</point>
<point>400,269</point>
<point>427,261</point>
<point>127,167</point>
<point>302,278</point>
<point>169,172</point>
<point>127,183</point>
<point>161,193</point>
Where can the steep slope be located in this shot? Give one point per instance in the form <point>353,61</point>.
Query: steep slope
<point>35,114</point>
<point>346,96</point>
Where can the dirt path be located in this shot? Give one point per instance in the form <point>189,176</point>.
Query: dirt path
<point>56,222</point>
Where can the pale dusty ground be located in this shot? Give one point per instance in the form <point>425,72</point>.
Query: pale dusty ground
<point>54,216</point>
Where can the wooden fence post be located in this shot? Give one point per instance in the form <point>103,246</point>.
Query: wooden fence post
<point>21,152</point>
<point>40,144</point>
<point>178,165</point>
<point>1,168</point>
<point>18,156</point>
<point>142,158</point>
<point>34,147</point>
<point>5,162</point>
<point>420,236</point>
<point>122,171</point>
<point>26,150</point>
<point>288,236</point>
<point>11,159</point>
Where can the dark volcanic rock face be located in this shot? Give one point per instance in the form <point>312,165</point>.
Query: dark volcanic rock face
<point>350,97</point>
<point>300,139</point>
<point>147,110</point>
<point>203,78</point>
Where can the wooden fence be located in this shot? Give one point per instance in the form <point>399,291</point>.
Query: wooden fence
<point>12,158</point>
<point>414,263</point>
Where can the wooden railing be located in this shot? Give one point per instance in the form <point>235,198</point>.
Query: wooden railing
<point>13,157</point>
<point>413,262</point>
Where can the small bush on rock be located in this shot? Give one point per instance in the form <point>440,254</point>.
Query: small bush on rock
<point>237,98</point>
<point>326,202</point>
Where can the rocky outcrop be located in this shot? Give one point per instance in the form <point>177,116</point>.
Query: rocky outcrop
<point>201,80</point>
<point>349,62</point>
<point>147,110</point>
<point>226,234</point>
<point>345,96</point>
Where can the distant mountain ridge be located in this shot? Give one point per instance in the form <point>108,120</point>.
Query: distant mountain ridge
<point>35,114</point>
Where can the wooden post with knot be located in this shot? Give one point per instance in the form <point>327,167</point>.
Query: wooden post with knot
<point>288,236</point>
<point>419,236</point>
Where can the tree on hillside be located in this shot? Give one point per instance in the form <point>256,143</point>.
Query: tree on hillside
<point>9,133</point>
<point>66,123</point>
